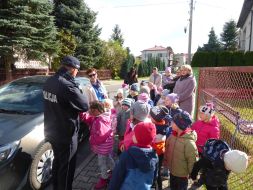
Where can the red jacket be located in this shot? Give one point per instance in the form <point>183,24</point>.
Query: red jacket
<point>205,131</point>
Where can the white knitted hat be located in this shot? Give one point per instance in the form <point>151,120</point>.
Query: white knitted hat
<point>236,161</point>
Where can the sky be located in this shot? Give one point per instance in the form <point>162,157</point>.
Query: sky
<point>146,23</point>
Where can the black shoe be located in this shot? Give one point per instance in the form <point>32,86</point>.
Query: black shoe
<point>195,186</point>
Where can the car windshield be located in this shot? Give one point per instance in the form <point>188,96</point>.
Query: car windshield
<point>21,96</point>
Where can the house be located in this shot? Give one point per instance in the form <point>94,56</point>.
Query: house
<point>165,54</point>
<point>245,23</point>
<point>180,59</point>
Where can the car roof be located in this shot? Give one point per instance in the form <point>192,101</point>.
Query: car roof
<point>42,79</point>
<point>32,79</point>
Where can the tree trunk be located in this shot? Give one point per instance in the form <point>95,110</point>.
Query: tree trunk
<point>7,60</point>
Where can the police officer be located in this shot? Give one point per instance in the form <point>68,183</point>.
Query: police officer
<point>62,103</point>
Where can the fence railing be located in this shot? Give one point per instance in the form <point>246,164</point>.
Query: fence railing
<point>231,91</point>
<point>18,73</point>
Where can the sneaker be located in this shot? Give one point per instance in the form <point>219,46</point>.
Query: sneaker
<point>109,172</point>
<point>102,183</point>
<point>195,186</point>
<point>165,174</point>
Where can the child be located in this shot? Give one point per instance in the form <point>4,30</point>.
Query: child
<point>108,105</point>
<point>125,88</point>
<point>152,90</point>
<point>139,112</point>
<point>207,127</point>
<point>123,116</point>
<point>134,91</point>
<point>118,100</point>
<point>146,90</point>
<point>164,93</point>
<point>180,151</point>
<point>171,103</point>
<point>144,97</point>
<point>217,162</point>
<point>136,167</point>
<point>101,139</point>
<point>158,114</point>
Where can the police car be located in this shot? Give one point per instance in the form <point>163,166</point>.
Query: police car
<point>25,158</point>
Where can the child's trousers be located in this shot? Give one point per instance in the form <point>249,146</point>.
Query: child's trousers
<point>178,183</point>
<point>105,163</point>
<point>217,188</point>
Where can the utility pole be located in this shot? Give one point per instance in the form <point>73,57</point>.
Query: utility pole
<point>190,33</point>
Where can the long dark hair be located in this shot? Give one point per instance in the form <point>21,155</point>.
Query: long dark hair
<point>132,72</point>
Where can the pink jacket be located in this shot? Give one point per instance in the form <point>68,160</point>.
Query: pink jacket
<point>128,136</point>
<point>101,135</point>
<point>205,131</point>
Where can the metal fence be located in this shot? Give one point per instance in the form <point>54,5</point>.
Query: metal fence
<point>231,91</point>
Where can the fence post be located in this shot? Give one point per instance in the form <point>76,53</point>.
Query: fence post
<point>236,129</point>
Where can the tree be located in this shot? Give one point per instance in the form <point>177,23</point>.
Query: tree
<point>229,36</point>
<point>27,30</point>
<point>76,17</point>
<point>127,64</point>
<point>213,44</point>
<point>67,47</point>
<point>117,35</point>
<point>112,57</point>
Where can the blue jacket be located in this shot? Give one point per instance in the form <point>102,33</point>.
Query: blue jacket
<point>135,169</point>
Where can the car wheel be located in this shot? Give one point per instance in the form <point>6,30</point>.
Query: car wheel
<point>41,167</point>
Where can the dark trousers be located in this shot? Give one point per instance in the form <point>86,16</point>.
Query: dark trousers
<point>64,164</point>
<point>159,178</point>
<point>178,183</point>
<point>217,188</point>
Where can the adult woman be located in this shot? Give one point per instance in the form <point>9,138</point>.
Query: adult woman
<point>167,80</point>
<point>185,88</point>
<point>96,90</point>
<point>131,77</point>
<point>156,77</point>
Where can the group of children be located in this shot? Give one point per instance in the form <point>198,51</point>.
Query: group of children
<point>155,135</point>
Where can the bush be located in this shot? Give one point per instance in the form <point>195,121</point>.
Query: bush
<point>248,59</point>
<point>237,59</point>
<point>222,59</point>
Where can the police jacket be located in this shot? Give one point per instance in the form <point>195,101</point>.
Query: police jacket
<point>62,103</point>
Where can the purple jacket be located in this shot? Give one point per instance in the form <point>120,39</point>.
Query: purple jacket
<point>205,131</point>
<point>186,91</point>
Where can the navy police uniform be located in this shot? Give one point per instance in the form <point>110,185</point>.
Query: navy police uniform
<point>62,103</point>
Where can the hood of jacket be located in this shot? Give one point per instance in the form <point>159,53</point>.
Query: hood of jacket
<point>145,158</point>
<point>214,121</point>
<point>105,117</point>
<point>187,134</point>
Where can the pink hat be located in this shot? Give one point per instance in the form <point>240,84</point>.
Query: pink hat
<point>173,97</point>
<point>168,69</point>
<point>143,97</point>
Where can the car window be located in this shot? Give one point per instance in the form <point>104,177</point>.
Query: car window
<point>82,81</point>
<point>20,96</point>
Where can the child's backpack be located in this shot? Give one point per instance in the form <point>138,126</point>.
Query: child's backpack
<point>214,151</point>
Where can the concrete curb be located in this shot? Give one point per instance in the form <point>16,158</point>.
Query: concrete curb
<point>84,164</point>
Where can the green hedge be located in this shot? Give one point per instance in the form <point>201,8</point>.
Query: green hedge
<point>145,68</point>
<point>222,59</point>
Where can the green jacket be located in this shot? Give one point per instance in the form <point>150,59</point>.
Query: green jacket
<point>181,153</point>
